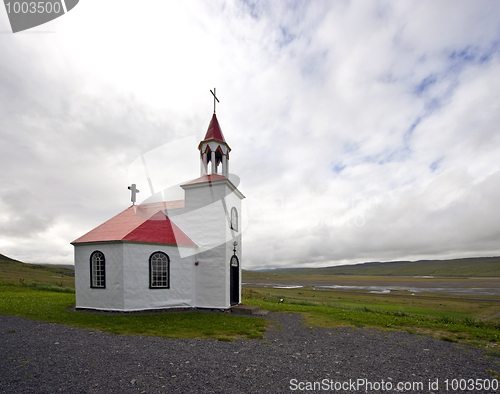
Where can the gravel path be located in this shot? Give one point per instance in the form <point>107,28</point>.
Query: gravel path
<point>492,316</point>
<point>37,357</point>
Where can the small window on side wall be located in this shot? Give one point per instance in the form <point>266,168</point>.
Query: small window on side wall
<point>234,219</point>
<point>97,270</point>
<point>159,271</point>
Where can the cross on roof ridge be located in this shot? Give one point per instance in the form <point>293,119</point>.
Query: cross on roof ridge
<point>215,98</point>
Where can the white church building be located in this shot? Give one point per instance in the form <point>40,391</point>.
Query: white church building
<point>170,254</point>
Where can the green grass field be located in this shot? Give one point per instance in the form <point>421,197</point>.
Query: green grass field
<point>423,304</point>
<point>47,294</point>
<point>56,307</point>
<point>456,320</point>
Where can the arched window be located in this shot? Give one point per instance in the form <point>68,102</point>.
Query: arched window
<point>234,219</point>
<point>97,270</point>
<point>159,271</point>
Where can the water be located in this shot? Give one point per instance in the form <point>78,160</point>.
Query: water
<point>472,287</point>
<point>478,291</point>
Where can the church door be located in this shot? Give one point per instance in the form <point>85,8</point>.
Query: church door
<point>234,280</point>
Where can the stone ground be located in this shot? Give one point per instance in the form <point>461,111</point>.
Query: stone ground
<point>38,357</point>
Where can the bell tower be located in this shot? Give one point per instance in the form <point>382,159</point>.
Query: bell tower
<point>214,151</point>
<point>214,148</point>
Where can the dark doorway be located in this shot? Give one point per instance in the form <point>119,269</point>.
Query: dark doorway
<point>234,280</point>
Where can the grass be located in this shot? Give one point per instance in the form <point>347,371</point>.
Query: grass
<point>430,305</point>
<point>493,352</point>
<point>55,287</point>
<point>454,323</point>
<point>54,307</point>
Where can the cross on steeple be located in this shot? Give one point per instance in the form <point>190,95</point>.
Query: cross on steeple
<point>133,189</point>
<point>215,98</point>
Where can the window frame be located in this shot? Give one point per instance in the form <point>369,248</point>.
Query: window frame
<point>234,219</point>
<point>151,286</point>
<point>103,275</point>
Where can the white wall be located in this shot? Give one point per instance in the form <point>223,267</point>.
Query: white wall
<point>211,279</point>
<point>127,278</point>
<point>206,218</point>
<point>111,297</point>
<point>139,296</point>
<point>207,214</point>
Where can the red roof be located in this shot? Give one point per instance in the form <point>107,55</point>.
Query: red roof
<point>214,132</point>
<point>206,178</point>
<point>142,223</point>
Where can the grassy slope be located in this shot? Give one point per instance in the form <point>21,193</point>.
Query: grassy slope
<point>470,267</point>
<point>15,272</point>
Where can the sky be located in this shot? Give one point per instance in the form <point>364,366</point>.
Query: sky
<point>360,130</point>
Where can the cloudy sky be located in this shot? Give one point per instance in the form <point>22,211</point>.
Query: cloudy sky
<point>361,130</point>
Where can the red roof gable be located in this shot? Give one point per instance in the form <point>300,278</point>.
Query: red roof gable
<point>214,132</point>
<point>143,223</point>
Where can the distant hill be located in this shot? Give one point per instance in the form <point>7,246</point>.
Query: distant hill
<point>468,267</point>
<point>7,259</point>
<point>16,272</point>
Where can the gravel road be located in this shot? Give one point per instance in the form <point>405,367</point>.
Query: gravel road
<point>37,357</point>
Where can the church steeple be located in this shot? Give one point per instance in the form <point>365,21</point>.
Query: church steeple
<point>214,149</point>
<point>214,132</point>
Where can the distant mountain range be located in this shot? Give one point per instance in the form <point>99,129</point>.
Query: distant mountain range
<point>466,267</point>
